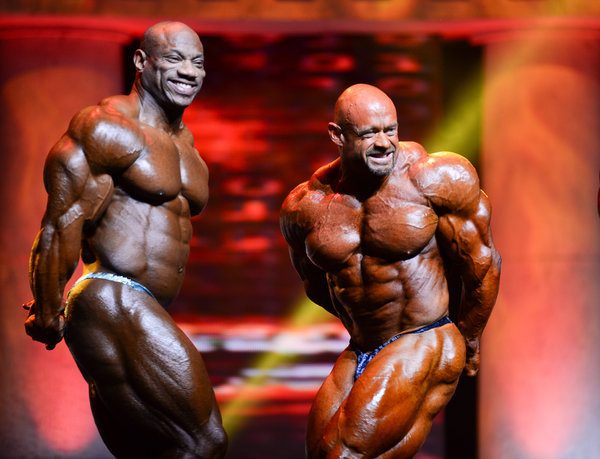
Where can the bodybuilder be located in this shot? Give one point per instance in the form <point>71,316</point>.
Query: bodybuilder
<point>391,240</point>
<point>122,185</point>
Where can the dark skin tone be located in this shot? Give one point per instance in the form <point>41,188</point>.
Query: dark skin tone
<point>122,185</point>
<point>383,238</point>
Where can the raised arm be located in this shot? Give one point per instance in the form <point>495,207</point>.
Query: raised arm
<point>75,197</point>
<point>293,230</point>
<point>465,241</point>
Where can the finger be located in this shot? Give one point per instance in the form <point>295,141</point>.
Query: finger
<point>49,347</point>
<point>472,371</point>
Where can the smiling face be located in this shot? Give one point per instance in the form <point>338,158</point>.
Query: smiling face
<point>366,129</point>
<point>171,64</point>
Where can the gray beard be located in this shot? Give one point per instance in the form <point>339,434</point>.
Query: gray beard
<point>382,172</point>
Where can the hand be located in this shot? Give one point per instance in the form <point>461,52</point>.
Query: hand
<point>48,333</point>
<point>472,365</point>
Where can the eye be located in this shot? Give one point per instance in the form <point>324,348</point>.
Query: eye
<point>172,59</point>
<point>391,131</point>
<point>199,64</point>
<point>367,135</point>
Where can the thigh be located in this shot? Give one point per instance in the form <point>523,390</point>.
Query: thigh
<point>330,396</point>
<point>391,406</point>
<point>147,376</point>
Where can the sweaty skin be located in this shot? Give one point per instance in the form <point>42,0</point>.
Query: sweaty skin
<point>122,185</point>
<point>387,238</point>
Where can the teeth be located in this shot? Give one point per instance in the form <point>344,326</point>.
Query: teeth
<point>183,85</point>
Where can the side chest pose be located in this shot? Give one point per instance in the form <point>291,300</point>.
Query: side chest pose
<point>122,185</point>
<point>391,240</point>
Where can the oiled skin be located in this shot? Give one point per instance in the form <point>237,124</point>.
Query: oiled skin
<point>375,250</point>
<point>122,185</point>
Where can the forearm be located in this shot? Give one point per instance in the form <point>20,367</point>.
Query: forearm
<point>314,279</point>
<point>54,257</point>
<point>478,301</point>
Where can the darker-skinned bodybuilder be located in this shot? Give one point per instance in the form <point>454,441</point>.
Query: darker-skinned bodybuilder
<point>122,185</point>
<point>385,238</point>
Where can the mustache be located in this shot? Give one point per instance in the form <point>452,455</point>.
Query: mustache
<point>377,151</point>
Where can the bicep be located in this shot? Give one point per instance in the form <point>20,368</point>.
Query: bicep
<point>464,236</point>
<point>294,236</point>
<point>74,193</point>
<point>314,278</point>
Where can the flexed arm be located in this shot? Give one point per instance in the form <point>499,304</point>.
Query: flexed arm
<point>465,241</point>
<point>75,196</point>
<point>468,243</point>
<point>314,278</point>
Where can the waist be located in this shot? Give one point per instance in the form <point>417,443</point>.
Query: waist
<point>162,286</point>
<point>368,335</point>
<point>116,278</point>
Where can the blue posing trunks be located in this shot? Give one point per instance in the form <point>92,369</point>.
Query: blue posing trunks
<point>365,357</point>
<point>116,278</point>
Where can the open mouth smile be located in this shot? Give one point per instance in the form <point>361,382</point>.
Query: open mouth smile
<point>380,157</point>
<point>183,87</point>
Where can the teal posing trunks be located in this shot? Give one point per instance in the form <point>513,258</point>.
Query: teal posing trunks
<point>116,278</point>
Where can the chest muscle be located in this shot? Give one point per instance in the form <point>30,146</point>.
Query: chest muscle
<point>165,169</point>
<point>390,231</point>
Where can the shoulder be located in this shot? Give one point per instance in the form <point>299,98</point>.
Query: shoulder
<point>314,190</point>
<point>303,203</point>
<point>449,181</point>
<point>185,145</point>
<point>185,136</point>
<point>188,152</point>
<point>65,164</point>
<point>292,202</point>
<point>108,133</point>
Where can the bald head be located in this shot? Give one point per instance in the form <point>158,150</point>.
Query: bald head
<point>366,131</point>
<point>359,99</point>
<point>170,66</point>
<point>157,35</point>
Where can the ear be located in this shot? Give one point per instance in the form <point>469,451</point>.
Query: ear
<point>139,59</point>
<point>335,134</point>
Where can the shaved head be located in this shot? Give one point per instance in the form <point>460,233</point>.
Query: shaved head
<point>170,65</point>
<point>358,99</point>
<point>158,34</point>
<point>366,131</point>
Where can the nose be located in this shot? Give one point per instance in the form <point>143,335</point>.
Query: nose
<point>188,69</point>
<point>382,140</point>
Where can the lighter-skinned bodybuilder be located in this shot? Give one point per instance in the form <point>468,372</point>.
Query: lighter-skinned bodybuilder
<point>122,185</point>
<point>391,240</point>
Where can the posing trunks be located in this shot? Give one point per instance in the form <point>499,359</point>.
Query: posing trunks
<point>116,278</point>
<point>113,278</point>
<point>365,357</point>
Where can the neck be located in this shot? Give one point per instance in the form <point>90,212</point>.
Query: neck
<point>360,184</point>
<point>154,114</point>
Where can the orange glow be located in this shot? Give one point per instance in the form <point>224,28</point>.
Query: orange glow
<point>540,365</point>
<point>57,398</point>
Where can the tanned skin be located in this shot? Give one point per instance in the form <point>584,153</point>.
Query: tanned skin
<point>386,238</point>
<point>122,184</point>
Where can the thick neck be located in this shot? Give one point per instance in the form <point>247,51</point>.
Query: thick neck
<point>155,114</point>
<point>361,184</point>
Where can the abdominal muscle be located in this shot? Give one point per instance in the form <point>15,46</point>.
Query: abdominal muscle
<point>144,242</point>
<point>380,300</point>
